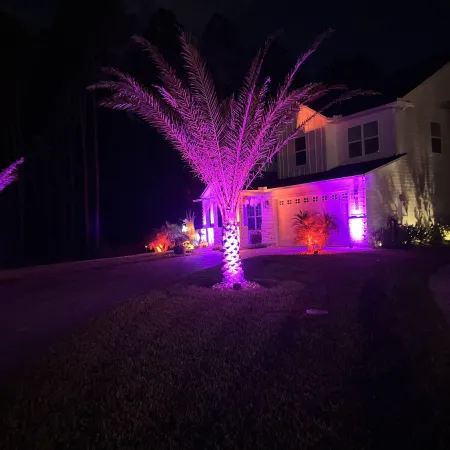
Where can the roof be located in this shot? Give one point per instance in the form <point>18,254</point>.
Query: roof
<point>270,180</point>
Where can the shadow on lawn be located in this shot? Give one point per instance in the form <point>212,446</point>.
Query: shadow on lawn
<point>404,403</point>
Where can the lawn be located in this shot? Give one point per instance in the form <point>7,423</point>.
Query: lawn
<point>193,368</point>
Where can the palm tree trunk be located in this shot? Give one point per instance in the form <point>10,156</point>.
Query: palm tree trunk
<point>232,266</point>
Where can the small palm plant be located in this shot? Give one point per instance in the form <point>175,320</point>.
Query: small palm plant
<point>313,230</point>
<point>304,225</point>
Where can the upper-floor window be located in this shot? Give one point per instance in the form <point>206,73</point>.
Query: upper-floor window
<point>363,140</point>
<point>436,137</point>
<point>254,217</point>
<point>300,151</point>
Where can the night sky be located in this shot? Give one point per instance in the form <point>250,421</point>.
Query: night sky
<point>394,33</point>
<point>143,181</point>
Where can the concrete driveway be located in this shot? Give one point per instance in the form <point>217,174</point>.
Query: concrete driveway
<point>40,304</point>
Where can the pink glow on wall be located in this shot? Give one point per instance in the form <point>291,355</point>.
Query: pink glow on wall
<point>211,215</point>
<point>356,226</point>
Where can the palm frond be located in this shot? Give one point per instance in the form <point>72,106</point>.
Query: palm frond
<point>8,175</point>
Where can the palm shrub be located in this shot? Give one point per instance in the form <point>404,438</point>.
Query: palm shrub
<point>313,229</point>
<point>190,226</point>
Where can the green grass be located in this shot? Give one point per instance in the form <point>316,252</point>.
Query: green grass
<point>192,368</point>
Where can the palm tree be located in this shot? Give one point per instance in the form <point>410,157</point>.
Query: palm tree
<point>8,175</point>
<point>305,228</point>
<point>228,143</point>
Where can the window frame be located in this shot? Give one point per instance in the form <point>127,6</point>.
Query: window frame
<point>255,217</point>
<point>436,137</point>
<point>301,151</point>
<point>362,139</point>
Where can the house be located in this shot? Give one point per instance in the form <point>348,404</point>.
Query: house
<point>392,159</point>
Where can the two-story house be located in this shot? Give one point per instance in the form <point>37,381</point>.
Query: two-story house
<point>390,160</point>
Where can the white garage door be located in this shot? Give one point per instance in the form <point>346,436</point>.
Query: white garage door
<point>335,203</point>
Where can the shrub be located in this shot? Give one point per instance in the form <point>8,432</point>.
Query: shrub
<point>190,227</point>
<point>395,235</point>
<point>169,235</point>
<point>179,250</point>
<point>313,230</point>
<point>188,246</point>
<point>203,244</point>
<point>252,246</point>
<point>160,243</point>
<point>255,238</point>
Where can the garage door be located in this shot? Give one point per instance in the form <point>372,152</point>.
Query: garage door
<point>335,203</point>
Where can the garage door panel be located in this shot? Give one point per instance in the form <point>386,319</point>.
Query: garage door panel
<point>335,205</point>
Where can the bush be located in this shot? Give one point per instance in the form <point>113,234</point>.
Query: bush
<point>255,238</point>
<point>169,235</point>
<point>395,235</point>
<point>188,246</point>
<point>313,230</point>
<point>251,246</point>
<point>179,250</point>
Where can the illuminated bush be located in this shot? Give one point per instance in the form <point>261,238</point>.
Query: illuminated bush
<point>160,243</point>
<point>188,246</point>
<point>313,230</point>
<point>168,236</point>
<point>189,227</point>
<point>203,244</point>
<point>395,235</point>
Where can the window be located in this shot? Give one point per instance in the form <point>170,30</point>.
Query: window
<point>436,139</point>
<point>254,218</point>
<point>344,195</point>
<point>363,140</point>
<point>281,202</point>
<point>300,151</point>
<point>289,202</point>
<point>219,218</point>
<point>324,198</point>
<point>315,199</point>
<point>266,203</point>
<point>334,196</point>
<point>306,200</point>
<point>297,201</point>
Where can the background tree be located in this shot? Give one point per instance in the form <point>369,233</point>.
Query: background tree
<point>9,175</point>
<point>227,144</point>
